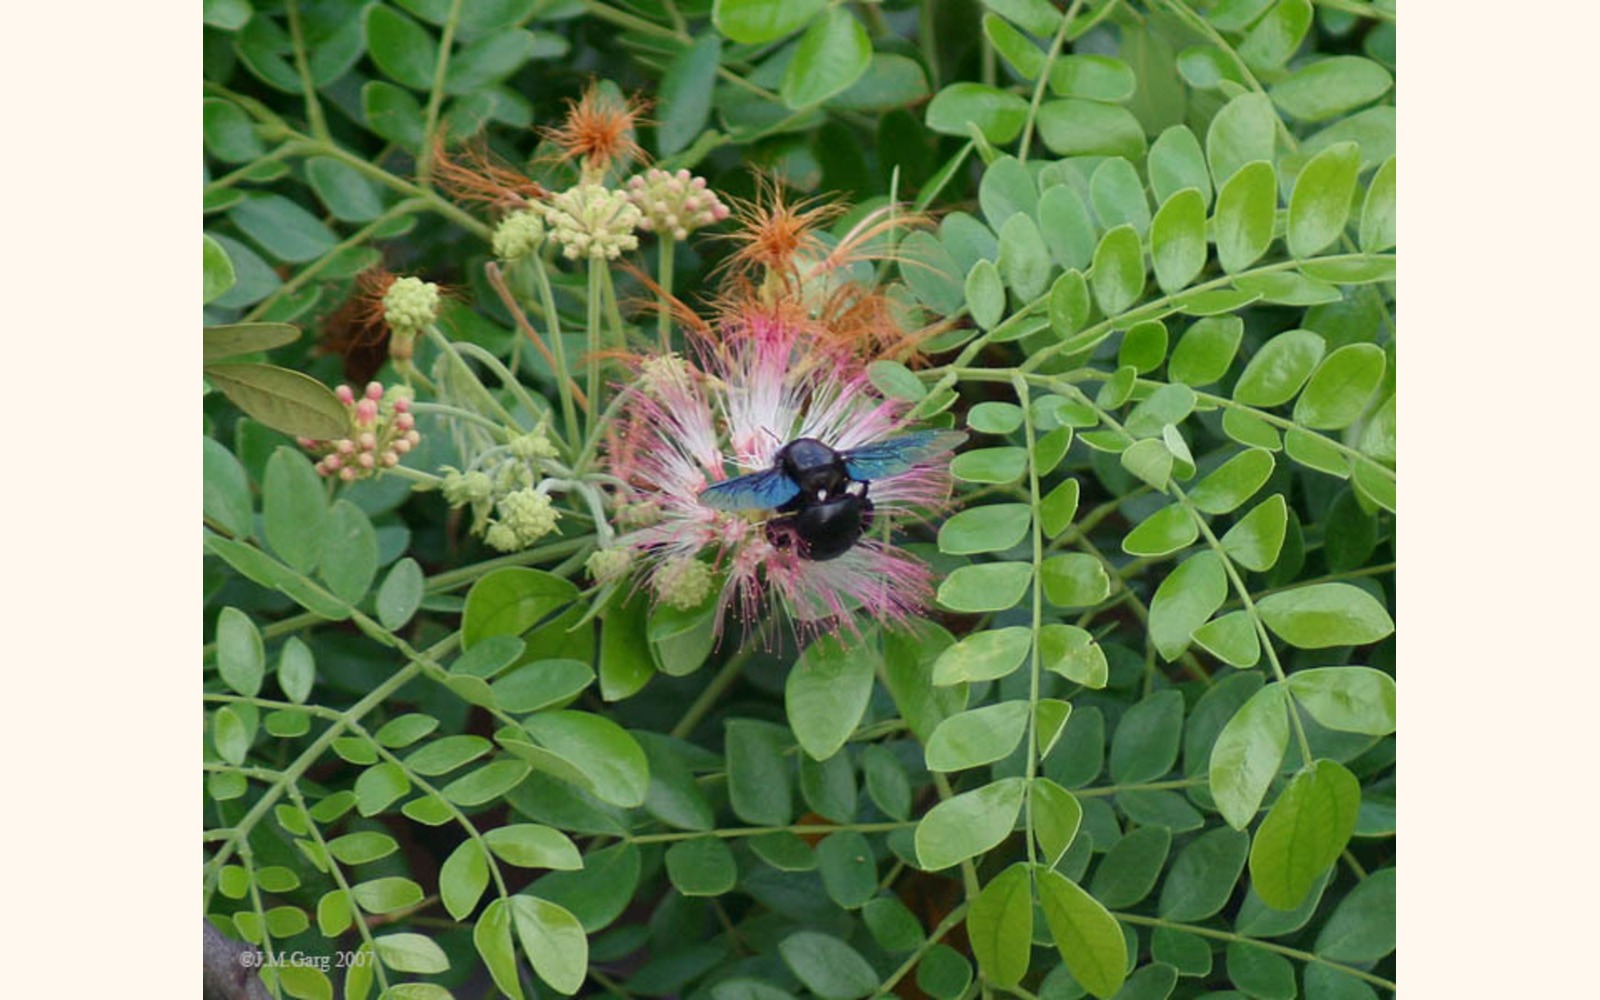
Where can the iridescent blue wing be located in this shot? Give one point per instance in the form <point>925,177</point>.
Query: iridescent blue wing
<point>896,455</point>
<point>757,490</point>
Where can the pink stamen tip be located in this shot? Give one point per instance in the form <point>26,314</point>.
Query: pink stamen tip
<point>366,411</point>
<point>402,404</point>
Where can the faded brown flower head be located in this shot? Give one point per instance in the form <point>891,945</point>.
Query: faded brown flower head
<point>598,131</point>
<point>473,174</point>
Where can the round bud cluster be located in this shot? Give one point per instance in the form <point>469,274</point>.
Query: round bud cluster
<point>532,445</point>
<point>592,221</point>
<point>410,304</point>
<point>609,565</point>
<point>663,372</point>
<point>683,582</point>
<point>527,515</point>
<point>382,428</point>
<point>641,514</point>
<point>674,205</point>
<point>519,234</point>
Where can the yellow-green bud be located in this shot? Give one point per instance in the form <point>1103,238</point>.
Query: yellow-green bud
<point>642,514</point>
<point>528,513</point>
<point>477,486</point>
<point>519,234</point>
<point>592,221</point>
<point>533,444</point>
<point>410,304</point>
<point>609,565</point>
<point>503,538</point>
<point>683,583</point>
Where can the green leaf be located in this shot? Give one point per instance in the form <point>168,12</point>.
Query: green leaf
<point>392,113</point>
<point>1074,580</point>
<point>401,594</point>
<point>1056,818</point>
<point>1144,347</point>
<point>411,953</point>
<point>349,552</point>
<point>283,228</point>
<point>1304,833</point>
<point>1331,87</point>
<point>1168,530</point>
<point>827,691</point>
<point>489,60</point>
<point>1245,130</point>
<point>1341,387</point>
<point>985,294</point>
<point>1183,602</point>
<point>1118,195</point>
<point>1095,78</point>
<point>980,736</point>
<point>1275,37</point>
<point>827,966</point>
<point>447,753</point>
<point>981,656</point>
<point>1203,875</point>
<point>1255,541</point>
<point>1377,231</point>
<point>1006,189</point>
<point>462,879</point>
<point>1074,127</point>
<point>231,735</point>
<point>833,53</point>
<point>1316,452</point>
<point>598,893</point>
<point>610,759</point>
<point>998,114</point>
<point>1089,939</point>
<point>218,269</point>
<point>887,783</point>
<point>701,866</point>
<point>685,95</point>
<point>284,400</point>
<point>1014,47</point>
<point>991,528</point>
<point>234,339</point>
<point>241,657</point>
<point>1246,213</point>
<point>1320,203</point>
<point>1350,699</point>
<point>379,786</point>
<point>1279,369</point>
<point>1231,639</point>
<point>1362,928</point>
<point>294,509</point>
<point>1145,744</point>
<point>510,601</point>
<point>541,684</point>
<point>756,21</point>
<point>492,938</point>
<point>968,824</point>
<point>1072,652</point>
<point>1233,482</point>
<point>1056,510</point>
<point>849,872</point>
<point>1000,926</point>
<point>986,587</point>
<point>1260,973</point>
<point>349,194</point>
<point>1247,755</point>
<point>911,656</point>
<point>1206,350</point>
<point>401,48</point>
<point>1178,240</point>
<point>1118,275</point>
<point>1037,17</point>
<point>893,926</point>
<point>896,381</point>
<point>891,82</point>
<point>1024,260</point>
<point>758,774</point>
<point>1130,869</point>
<point>487,783</point>
<point>1070,235</point>
<point>1325,614</point>
<point>1175,163</point>
<point>386,895</point>
<point>554,941</point>
<point>297,669</point>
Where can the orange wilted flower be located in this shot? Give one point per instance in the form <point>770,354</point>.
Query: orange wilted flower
<point>474,174</point>
<point>774,233</point>
<point>598,131</point>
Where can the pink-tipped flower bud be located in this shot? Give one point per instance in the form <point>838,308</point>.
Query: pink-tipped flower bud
<point>389,459</point>
<point>401,445</point>
<point>345,446</point>
<point>414,437</point>
<point>333,462</point>
<point>374,391</point>
<point>404,421</point>
<point>364,460</point>
<point>366,412</point>
<point>347,474</point>
<point>305,442</point>
<point>346,396</point>
<point>402,404</point>
<point>368,440</point>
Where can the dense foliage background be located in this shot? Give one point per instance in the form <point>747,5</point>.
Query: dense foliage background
<point>1143,745</point>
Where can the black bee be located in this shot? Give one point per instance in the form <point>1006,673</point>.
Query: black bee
<point>819,493</point>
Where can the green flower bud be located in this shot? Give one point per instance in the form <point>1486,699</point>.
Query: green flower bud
<point>519,234</point>
<point>478,486</point>
<point>533,444</point>
<point>528,513</point>
<point>609,565</point>
<point>410,304</point>
<point>592,221</point>
<point>503,538</point>
<point>683,583</point>
<point>642,514</point>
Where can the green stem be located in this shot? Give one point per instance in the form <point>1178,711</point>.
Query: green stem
<point>443,344</point>
<point>711,692</point>
<point>592,338</point>
<point>948,924</point>
<point>1295,953</point>
<point>559,349</point>
<point>730,833</point>
<point>1044,78</point>
<point>441,67</point>
<point>338,878</point>
<point>319,124</point>
<point>1036,623</point>
<point>664,295</point>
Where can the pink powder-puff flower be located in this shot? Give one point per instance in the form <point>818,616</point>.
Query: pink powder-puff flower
<point>759,383</point>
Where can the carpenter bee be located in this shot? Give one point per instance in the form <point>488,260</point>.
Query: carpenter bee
<point>820,493</point>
